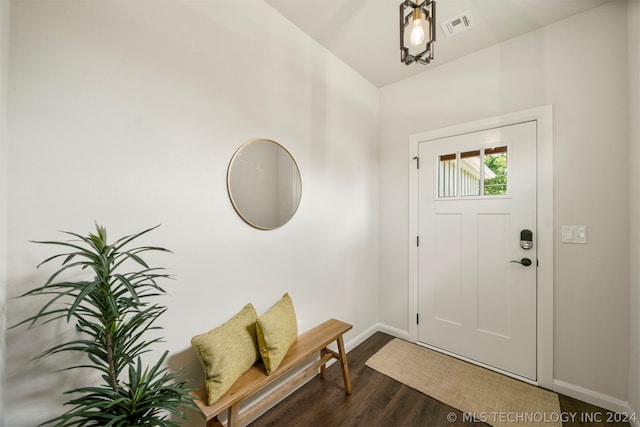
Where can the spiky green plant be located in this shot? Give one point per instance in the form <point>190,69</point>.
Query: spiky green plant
<point>112,311</point>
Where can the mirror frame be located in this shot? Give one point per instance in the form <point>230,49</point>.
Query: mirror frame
<point>229,192</point>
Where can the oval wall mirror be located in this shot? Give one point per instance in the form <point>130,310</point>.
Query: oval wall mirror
<point>264,184</point>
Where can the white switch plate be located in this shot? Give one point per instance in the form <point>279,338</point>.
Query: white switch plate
<point>574,234</point>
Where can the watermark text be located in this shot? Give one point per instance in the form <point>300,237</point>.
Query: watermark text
<point>544,417</point>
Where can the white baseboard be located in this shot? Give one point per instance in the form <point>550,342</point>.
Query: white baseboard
<point>595,398</point>
<point>390,330</point>
<point>376,327</point>
<point>360,338</point>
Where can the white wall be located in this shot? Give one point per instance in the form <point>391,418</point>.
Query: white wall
<point>579,65</point>
<point>633,30</point>
<point>128,114</point>
<point>4,61</point>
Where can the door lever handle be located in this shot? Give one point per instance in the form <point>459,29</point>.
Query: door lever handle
<point>524,261</point>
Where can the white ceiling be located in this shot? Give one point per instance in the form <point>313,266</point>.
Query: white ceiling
<point>365,33</point>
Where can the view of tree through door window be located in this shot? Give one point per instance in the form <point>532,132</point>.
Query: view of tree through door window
<point>474,173</point>
<point>495,159</point>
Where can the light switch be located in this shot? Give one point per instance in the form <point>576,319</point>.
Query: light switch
<point>574,234</point>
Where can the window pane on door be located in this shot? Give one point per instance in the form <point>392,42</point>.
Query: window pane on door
<point>470,173</point>
<point>447,175</point>
<point>495,173</point>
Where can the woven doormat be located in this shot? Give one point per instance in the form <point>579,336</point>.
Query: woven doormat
<point>490,397</point>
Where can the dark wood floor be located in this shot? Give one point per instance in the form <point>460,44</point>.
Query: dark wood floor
<point>378,400</point>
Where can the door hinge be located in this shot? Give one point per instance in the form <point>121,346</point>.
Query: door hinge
<point>417,240</point>
<point>417,159</point>
<point>417,318</point>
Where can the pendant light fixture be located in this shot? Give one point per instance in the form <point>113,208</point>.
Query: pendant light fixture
<point>417,31</point>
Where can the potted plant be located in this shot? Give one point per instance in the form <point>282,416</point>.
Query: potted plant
<point>111,310</point>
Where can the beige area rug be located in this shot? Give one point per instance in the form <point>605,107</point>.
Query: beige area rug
<point>487,396</point>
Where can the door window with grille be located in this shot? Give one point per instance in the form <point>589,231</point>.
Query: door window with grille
<point>475,173</point>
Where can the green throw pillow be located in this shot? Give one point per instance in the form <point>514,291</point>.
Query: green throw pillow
<point>227,352</point>
<point>277,330</point>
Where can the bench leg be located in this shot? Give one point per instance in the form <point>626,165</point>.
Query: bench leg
<point>345,365</point>
<point>232,414</point>
<point>323,367</point>
<point>214,422</point>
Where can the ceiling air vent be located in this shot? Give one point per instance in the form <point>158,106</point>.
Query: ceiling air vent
<point>457,24</point>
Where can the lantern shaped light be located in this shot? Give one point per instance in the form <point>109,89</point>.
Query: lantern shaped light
<point>417,31</point>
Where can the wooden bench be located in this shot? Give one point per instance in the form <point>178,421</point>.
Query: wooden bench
<point>306,345</point>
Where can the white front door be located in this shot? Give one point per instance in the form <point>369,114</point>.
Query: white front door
<point>477,193</point>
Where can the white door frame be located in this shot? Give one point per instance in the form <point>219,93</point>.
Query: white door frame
<point>544,168</point>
